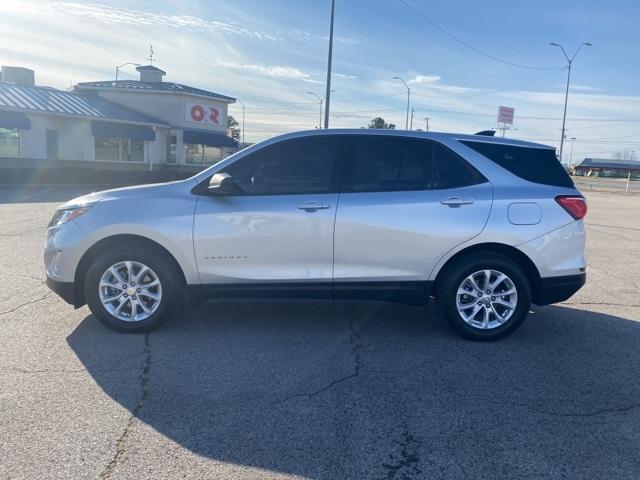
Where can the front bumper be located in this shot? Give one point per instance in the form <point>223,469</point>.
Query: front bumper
<point>559,289</point>
<point>66,290</point>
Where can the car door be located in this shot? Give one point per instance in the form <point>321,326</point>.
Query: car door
<point>406,202</point>
<point>277,230</point>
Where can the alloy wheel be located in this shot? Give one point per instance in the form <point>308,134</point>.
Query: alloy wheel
<point>486,299</point>
<point>130,291</point>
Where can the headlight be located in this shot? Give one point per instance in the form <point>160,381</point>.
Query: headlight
<point>66,215</point>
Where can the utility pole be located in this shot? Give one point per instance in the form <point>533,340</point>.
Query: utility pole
<point>573,141</point>
<point>426,123</point>
<point>328,92</point>
<point>319,100</point>
<point>413,111</point>
<point>406,125</point>
<point>566,93</point>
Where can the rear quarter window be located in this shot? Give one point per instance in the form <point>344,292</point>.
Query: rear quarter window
<point>538,165</point>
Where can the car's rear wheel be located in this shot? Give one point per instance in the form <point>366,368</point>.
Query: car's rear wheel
<point>484,297</point>
<point>130,289</point>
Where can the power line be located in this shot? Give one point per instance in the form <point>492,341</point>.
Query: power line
<point>372,98</point>
<point>468,45</point>
<point>492,92</point>
<point>270,112</point>
<point>454,112</point>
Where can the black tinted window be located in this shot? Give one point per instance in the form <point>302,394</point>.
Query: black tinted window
<point>295,166</point>
<point>538,165</point>
<point>392,164</point>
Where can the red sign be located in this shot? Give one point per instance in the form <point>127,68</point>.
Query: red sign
<point>199,113</point>
<point>505,114</point>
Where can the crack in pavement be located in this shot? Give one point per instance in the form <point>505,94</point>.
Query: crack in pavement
<point>30,302</point>
<point>354,341</point>
<point>121,443</point>
<point>40,279</point>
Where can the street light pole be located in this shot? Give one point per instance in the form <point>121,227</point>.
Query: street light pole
<point>566,93</point>
<point>573,141</point>
<point>406,125</point>
<point>328,92</point>
<point>241,103</point>
<point>118,67</point>
<point>426,123</point>
<point>319,100</point>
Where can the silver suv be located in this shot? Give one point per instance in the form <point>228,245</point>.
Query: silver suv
<point>487,226</point>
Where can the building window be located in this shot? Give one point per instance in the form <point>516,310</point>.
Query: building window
<point>173,149</point>
<point>119,149</point>
<point>9,142</point>
<point>196,154</point>
<point>52,143</point>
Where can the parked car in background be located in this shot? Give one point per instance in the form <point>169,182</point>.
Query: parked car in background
<point>485,225</point>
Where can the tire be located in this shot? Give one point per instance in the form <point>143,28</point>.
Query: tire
<point>147,303</point>
<point>457,289</point>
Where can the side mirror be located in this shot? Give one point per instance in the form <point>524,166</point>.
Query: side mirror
<point>222,184</point>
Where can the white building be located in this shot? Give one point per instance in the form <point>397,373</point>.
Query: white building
<point>148,122</point>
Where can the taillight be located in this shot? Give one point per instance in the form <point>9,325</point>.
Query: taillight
<point>575,205</point>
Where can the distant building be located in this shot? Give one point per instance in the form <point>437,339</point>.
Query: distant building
<point>148,121</point>
<point>606,167</point>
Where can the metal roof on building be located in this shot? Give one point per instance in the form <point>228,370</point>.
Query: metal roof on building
<point>51,100</point>
<point>609,163</point>
<point>167,87</point>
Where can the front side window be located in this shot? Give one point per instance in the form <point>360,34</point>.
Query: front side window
<point>302,165</point>
<point>9,142</point>
<point>119,149</point>
<point>404,164</point>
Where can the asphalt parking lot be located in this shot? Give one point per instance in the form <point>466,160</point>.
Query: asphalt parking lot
<point>319,391</point>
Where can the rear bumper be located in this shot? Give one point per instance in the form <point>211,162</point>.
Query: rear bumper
<point>66,290</point>
<point>559,289</point>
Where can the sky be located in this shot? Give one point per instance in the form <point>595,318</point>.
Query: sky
<point>461,59</point>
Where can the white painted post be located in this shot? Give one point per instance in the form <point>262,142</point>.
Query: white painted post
<point>626,190</point>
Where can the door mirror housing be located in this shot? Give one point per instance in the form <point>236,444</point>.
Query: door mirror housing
<point>222,184</point>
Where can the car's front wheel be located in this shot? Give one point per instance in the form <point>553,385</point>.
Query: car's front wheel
<point>486,297</point>
<point>131,289</point>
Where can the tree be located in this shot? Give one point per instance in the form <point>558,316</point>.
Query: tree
<point>233,125</point>
<point>625,155</point>
<point>379,122</point>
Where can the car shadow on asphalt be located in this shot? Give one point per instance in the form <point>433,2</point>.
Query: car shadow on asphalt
<point>364,391</point>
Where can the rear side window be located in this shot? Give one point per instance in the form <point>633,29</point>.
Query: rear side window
<point>403,164</point>
<point>538,165</point>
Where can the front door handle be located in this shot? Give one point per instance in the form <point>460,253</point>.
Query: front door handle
<point>312,206</point>
<point>456,201</point>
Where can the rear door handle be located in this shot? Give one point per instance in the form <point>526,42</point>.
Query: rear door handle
<point>456,201</point>
<point>312,206</point>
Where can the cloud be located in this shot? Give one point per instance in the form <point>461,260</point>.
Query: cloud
<point>276,71</point>
<point>113,15</point>
<point>584,88</point>
<point>425,79</point>
<point>344,75</point>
